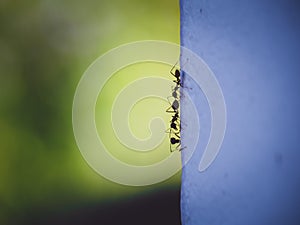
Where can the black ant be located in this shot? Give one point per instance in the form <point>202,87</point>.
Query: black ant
<point>174,130</point>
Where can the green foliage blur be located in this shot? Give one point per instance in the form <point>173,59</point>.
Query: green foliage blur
<point>45,47</point>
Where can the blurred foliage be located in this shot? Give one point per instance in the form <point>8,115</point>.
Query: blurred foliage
<point>45,46</point>
<point>140,116</point>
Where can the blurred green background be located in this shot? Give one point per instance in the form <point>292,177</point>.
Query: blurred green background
<point>45,47</point>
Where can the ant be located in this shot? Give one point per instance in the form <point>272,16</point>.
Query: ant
<point>174,130</point>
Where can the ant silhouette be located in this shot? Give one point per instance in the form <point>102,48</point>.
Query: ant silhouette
<point>175,127</point>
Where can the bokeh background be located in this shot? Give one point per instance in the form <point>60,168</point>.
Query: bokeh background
<point>45,47</point>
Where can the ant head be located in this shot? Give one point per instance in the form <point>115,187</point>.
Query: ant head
<point>173,140</point>
<point>173,126</point>
<point>177,73</point>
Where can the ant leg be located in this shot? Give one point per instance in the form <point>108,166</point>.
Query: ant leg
<point>171,150</point>
<point>181,149</point>
<point>170,111</point>
<point>174,149</point>
<point>173,68</point>
<point>176,101</point>
<point>177,123</point>
<point>178,146</point>
<point>169,131</point>
<point>175,88</point>
<point>177,83</point>
<point>177,134</point>
<point>168,98</point>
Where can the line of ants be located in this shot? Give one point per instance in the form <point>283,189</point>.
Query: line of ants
<point>174,130</point>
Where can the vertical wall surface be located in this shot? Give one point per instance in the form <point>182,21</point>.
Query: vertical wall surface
<point>253,49</point>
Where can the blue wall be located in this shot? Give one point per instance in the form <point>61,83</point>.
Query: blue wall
<point>253,49</point>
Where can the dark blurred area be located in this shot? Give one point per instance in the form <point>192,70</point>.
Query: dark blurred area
<point>161,207</point>
<point>45,46</point>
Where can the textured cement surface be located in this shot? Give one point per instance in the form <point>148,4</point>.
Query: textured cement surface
<point>253,49</point>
